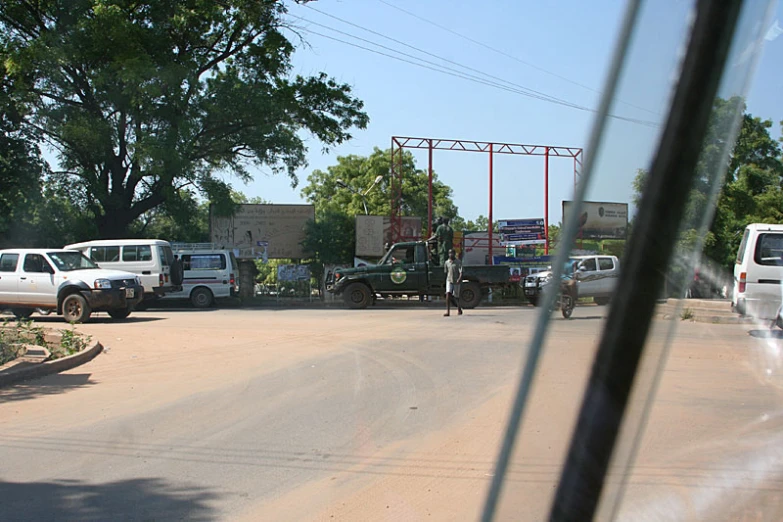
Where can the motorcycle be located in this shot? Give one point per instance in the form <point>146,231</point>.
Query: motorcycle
<point>566,298</point>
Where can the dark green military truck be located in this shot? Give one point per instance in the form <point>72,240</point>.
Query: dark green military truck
<point>410,269</point>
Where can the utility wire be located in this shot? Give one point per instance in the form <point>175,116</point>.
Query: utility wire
<point>507,55</point>
<point>417,49</point>
<point>426,64</point>
<point>514,87</point>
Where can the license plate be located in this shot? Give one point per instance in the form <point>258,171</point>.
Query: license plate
<point>130,293</point>
<point>530,285</point>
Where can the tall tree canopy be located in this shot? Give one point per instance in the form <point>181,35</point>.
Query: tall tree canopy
<point>360,172</point>
<point>753,189</point>
<point>148,101</point>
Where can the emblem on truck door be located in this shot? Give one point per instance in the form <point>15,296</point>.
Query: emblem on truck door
<point>398,276</point>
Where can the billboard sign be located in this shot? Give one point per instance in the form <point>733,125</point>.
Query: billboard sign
<point>262,231</point>
<point>292,273</point>
<point>373,232</point>
<point>522,231</point>
<point>599,220</point>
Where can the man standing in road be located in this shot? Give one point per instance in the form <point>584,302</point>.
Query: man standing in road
<point>445,236</point>
<point>453,269</point>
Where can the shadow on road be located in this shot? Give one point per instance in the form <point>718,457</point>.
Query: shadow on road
<point>136,499</point>
<point>51,385</point>
<point>99,319</point>
<point>766,334</point>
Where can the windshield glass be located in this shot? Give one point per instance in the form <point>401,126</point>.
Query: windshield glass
<point>166,255</point>
<point>308,138</point>
<point>67,261</point>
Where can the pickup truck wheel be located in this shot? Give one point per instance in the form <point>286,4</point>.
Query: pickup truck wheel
<point>76,309</point>
<point>120,313</point>
<point>357,296</point>
<point>470,295</point>
<point>22,313</point>
<point>201,297</point>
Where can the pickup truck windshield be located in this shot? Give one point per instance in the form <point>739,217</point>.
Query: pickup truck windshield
<point>67,261</point>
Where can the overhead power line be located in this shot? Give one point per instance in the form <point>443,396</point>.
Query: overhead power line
<point>508,55</point>
<point>447,60</point>
<point>441,68</point>
<point>501,84</point>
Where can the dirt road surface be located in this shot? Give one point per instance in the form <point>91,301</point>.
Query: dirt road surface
<point>382,414</point>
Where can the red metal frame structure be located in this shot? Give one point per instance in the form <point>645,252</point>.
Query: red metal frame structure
<point>399,143</point>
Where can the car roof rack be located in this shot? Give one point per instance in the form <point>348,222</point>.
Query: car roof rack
<point>183,247</point>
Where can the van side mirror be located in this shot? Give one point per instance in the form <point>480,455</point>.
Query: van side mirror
<point>582,268</point>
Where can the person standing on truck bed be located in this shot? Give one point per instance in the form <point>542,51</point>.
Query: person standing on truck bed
<point>453,269</point>
<point>445,236</point>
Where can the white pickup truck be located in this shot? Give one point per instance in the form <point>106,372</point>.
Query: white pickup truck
<point>66,282</point>
<point>597,277</point>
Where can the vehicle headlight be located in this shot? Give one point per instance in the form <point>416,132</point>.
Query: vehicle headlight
<point>102,284</point>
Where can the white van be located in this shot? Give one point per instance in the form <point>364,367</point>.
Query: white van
<point>758,271</point>
<point>151,259</point>
<point>209,274</point>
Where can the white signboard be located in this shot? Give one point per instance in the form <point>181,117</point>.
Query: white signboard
<point>263,231</point>
<point>373,232</point>
<point>477,248</point>
<point>290,273</point>
<point>599,220</point>
<point>369,236</point>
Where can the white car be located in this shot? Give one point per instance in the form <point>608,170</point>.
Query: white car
<point>66,282</point>
<point>758,271</point>
<point>597,277</point>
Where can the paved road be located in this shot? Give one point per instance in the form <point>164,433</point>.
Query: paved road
<point>383,414</point>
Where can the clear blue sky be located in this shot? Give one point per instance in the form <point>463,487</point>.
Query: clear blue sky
<point>573,41</point>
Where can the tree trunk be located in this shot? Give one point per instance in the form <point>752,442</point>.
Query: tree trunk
<point>113,225</point>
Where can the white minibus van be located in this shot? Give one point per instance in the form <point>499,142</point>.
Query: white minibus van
<point>209,274</point>
<point>151,259</point>
<point>758,271</point>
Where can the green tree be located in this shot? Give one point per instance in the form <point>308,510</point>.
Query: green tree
<point>359,173</point>
<point>145,99</point>
<point>21,167</point>
<point>752,190</point>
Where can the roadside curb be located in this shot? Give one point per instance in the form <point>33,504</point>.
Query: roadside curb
<point>43,369</point>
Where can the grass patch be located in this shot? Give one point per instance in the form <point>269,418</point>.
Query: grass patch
<point>71,342</point>
<point>687,314</point>
<point>15,334</point>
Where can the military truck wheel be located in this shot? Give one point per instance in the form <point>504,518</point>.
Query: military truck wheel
<point>357,296</point>
<point>470,295</point>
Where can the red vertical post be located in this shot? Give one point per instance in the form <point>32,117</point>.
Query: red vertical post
<point>546,200</point>
<point>491,261</point>
<point>429,204</point>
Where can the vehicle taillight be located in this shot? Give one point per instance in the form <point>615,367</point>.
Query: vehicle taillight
<point>160,280</point>
<point>231,279</point>
<point>742,281</point>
